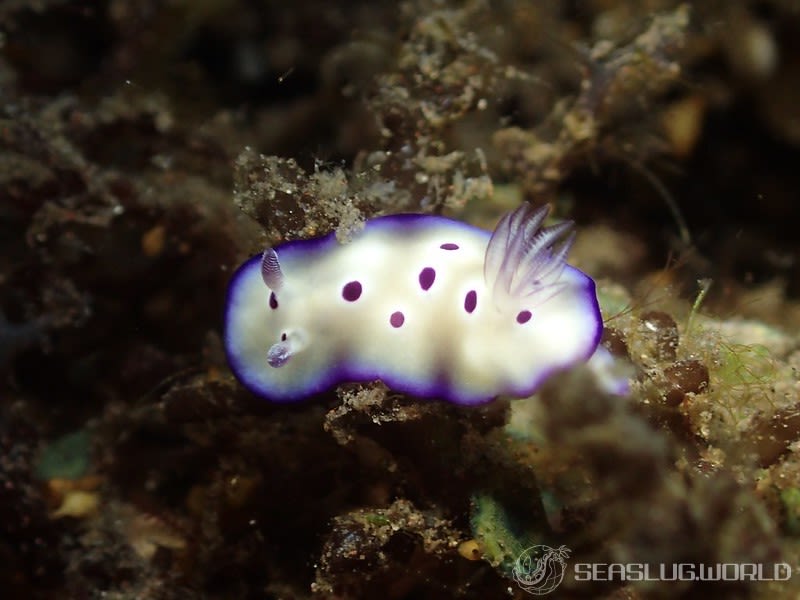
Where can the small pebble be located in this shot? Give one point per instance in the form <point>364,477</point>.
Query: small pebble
<point>153,241</point>
<point>470,550</point>
<point>664,332</point>
<point>684,377</point>
<point>614,342</point>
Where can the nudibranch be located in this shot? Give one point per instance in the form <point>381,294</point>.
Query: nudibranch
<point>431,306</point>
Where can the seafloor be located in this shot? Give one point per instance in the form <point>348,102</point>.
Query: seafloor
<point>148,147</point>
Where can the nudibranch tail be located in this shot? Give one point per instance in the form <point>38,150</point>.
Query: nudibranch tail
<point>271,270</point>
<point>525,259</point>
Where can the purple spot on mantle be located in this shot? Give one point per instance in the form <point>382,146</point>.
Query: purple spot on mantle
<point>283,337</point>
<point>470,301</point>
<point>449,246</point>
<point>397,319</point>
<point>273,301</point>
<point>352,291</point>
<point>524,316</point>
<point>426,278</point>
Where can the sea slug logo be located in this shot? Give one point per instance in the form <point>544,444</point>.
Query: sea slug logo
<point>540,569</point>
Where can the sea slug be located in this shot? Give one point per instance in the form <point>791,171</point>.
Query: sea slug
<point>432,307</point>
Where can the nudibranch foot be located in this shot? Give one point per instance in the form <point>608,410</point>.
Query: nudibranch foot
<point>433,307</point>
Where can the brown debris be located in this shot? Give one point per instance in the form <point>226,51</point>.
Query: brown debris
<point>618,83</point>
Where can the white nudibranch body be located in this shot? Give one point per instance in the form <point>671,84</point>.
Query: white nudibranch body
<point>431,306</point>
